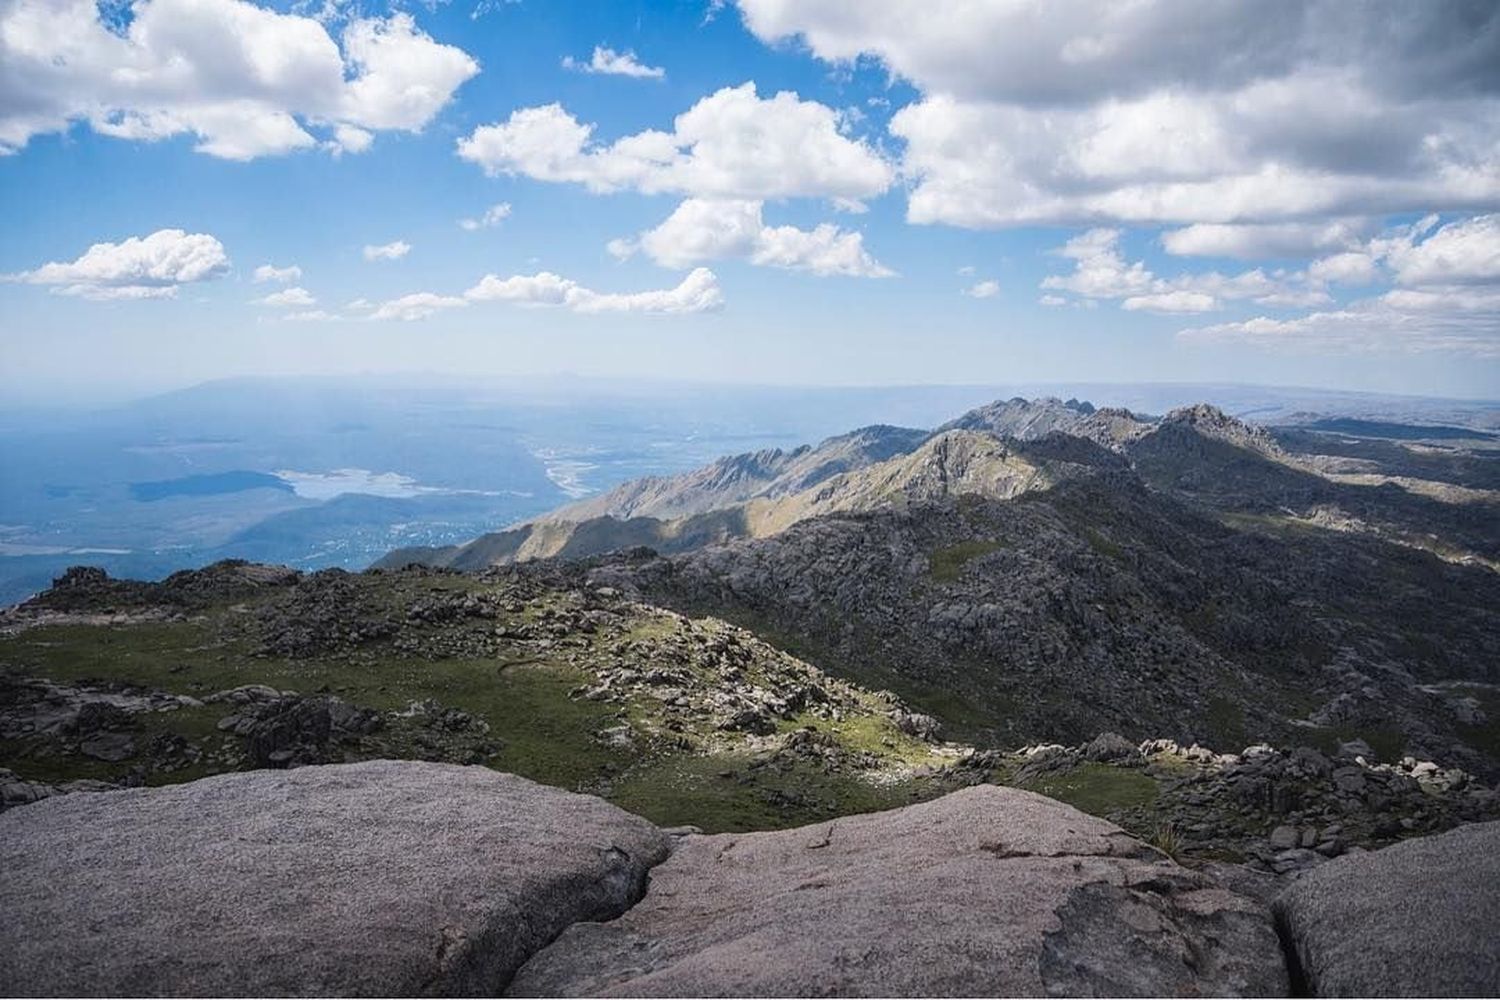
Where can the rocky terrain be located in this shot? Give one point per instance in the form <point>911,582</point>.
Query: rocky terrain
<point>546,671</point>
<point>401,878</point>
<point>1039,570</point>
<point>1258,652</point>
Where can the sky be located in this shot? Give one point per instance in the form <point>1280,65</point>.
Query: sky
<point>1289,192</point>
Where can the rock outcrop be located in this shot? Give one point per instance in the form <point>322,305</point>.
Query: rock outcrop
<point>405,878</point>
<point>988,891</point>
<point>1419,918</point>
<point>384,878</point>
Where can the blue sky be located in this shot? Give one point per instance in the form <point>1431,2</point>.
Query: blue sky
<point>1073,195</point>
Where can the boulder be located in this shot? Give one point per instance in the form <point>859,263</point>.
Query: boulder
<point>382,878</point>
<point>1418,918</point>
<point>987,891</point>
<point>1110,747</point>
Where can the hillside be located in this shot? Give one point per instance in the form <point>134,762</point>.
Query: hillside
<point>1127,613</point>
<point>1047,570</point>
<point>682,719</point>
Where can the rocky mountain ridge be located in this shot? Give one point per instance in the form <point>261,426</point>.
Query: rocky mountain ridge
<point>1003,450</point>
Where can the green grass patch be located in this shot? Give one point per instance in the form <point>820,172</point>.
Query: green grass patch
<point>722,793</point>
<point>1102,545</point>
<point>947,564</point>
<point>545,735</point>
<point>1098,789</point>
<point>878,735</point>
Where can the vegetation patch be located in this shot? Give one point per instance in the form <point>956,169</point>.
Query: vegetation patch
<point>1226,725</point>
<point>947,564</point>
<point>1098,789</point>
<point>734,793</point>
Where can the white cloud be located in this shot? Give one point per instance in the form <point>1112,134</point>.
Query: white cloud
<point>1447,297</point>
<point>1100,271</point>
<point>153,266</point>
<point>1172,302</point>
<point>545,288</point>
<point>280,275</point>
<point>312,316</point>
<point>731,144</point>
<point>983,290</point>
<point>1373,326</point>
<point>1053,300</point>
<point>967,271</point>
<point>418,305</point>
<point>1259,241</point>
<point>493,216</point>
<point>698,292</point>
<point>348,139</point>
<point>246,80</point>
<point>702,229</point>
<point>1176,112</point>
<point>1348,268</point>
<point>289,298</point>
<point>394,250</point>
<point>1464,252</point>
<point>608,62</point>
<point>823,250</point>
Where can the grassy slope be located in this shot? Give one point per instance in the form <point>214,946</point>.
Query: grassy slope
<point>545,731</point>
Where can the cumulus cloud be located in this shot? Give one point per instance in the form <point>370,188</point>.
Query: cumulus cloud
<point>280,275</point>
<point>1447,297</point>
<point>1258,241</point>
<point>245,80</point>
<point>1348,268</point>
<point>493,216</point>
<point>1372,326</point>
<point>698,292</point>
<point>731,144</point>
<point>289,298</point>
<point>1175,112</point>
<point>418,305</point>
<point>1460,253</point>
<point>983,290</point>
<point>1100,271</point>
<point>702,229</point>
<point>608,62</point>
<point>1179,301</point>
<point>140,267</point>
<point>394,250</point>
<point>348,139</point>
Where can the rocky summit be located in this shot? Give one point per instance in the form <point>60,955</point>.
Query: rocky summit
<point>382,878</point>
<point>404,878</point>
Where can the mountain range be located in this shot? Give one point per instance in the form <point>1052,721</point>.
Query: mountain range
<point>1045,570</point>
<point>1227,637</point>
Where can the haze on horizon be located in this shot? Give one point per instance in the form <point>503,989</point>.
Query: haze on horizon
<point>816,193</point>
